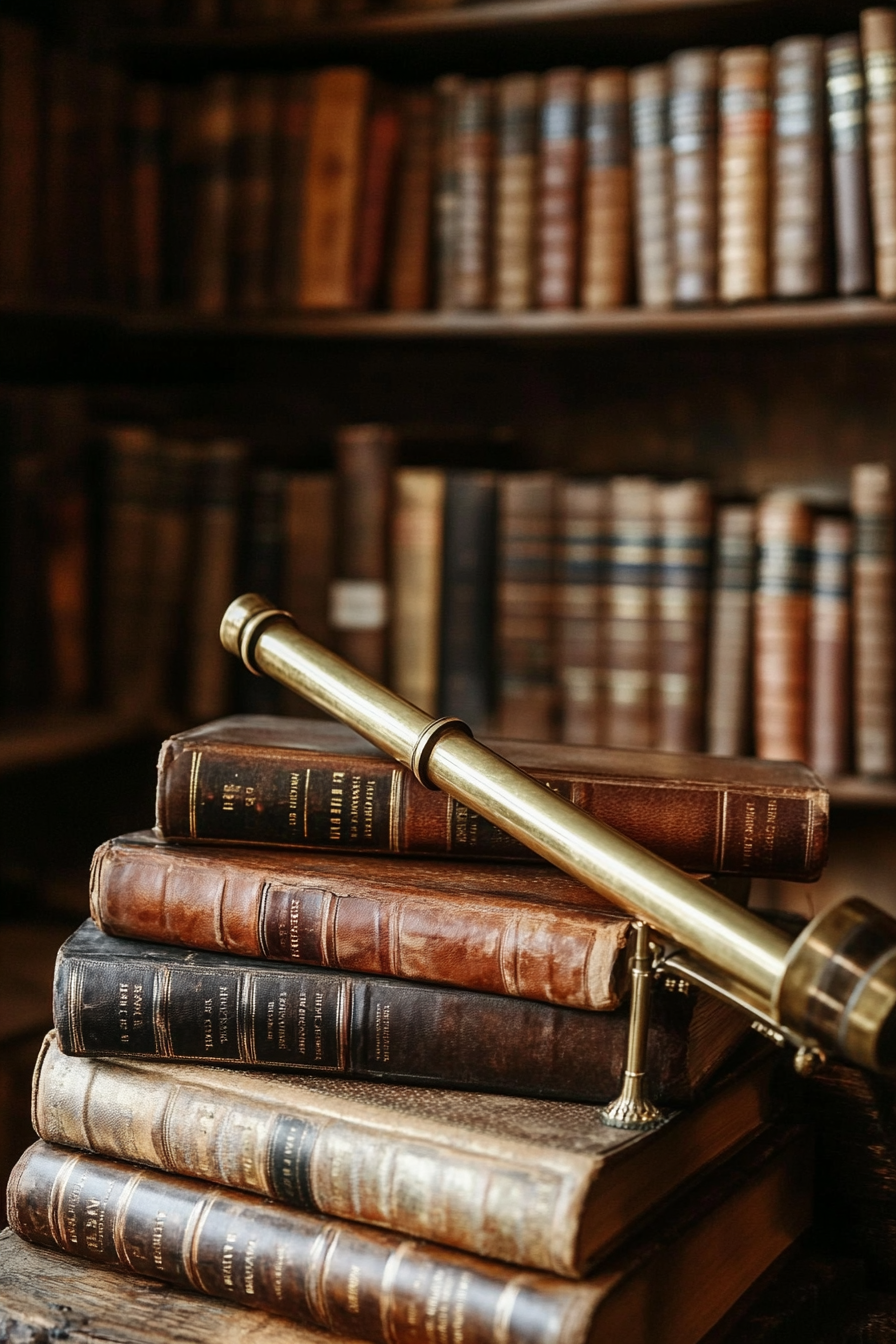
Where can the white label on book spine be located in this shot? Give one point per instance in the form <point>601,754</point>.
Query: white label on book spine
<point>358,604</point>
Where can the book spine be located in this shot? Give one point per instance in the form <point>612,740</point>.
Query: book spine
<point>630,611</point>
<point>20,137</point>
<point>874,636</point>
<point>183,178</point>
<point>145,172</point>
<point>559,188</point>
<point>744,126</point>
<point>114,225</point>
<point>685,517</point>
<point>359,595</point>
<point>308,546</point>
<point>417,584</point>
<point>293,114</point>
<point>849,164</point>
<point>130,494</point>
<point>606,227</point>
<point>525,633</point>
<point>651,185</point>
<point>209,258</point>
<point>878,34</point>
<point>580,577</point>
<point>474,186</point>
<point>447,209</point>
<point>253,189</point>
<point>693,77</point>
<point>730,643</point>
<point>781,626</point>
<point>468,584</point>
<point>798,176</point>
<point>263,564</point>
<point>409,266</point>
<point>59,131</point>
<point>381,153</point>
<point>166,602</point>
<point>829,691</point>
<point>357,1282</point>
<point>516,161</point>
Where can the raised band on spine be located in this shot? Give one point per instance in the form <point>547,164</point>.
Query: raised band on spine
<point>426,743</point>
<point>251,631</point>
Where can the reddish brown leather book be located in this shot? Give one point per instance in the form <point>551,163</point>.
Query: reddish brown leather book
<point>299,782</point>
<point>309,505</point>
<point>829,640</point>
<point>208,274</point>
<point>252,184</point>
<point>849,164</point>
<point>525,605</point>
<point>684,532</point>
<point>781,626</point>
<point>693,83</point>
<point>409,280</point>
<point>744,126</point>
<point>474,188</point>
<point>878,33</point>
<point>581,560</point>
<point>874,635</point>
<point>728,699</point>
<point>607,213</point>
<point>559,188</point>
<point>292,120</point>
<point>359,597</point>
<point>333,179</point>
<point>651,185</point>
<point>417,546</point>
<point>19,150</point>
<point>447,91</point>
<point>515,169</point>
<point>146,127</point>
<point>377,189</point>
<point>629,624</point>
<point>798,168</point>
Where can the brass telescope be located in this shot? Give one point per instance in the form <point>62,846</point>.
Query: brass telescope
<point>831,988</point>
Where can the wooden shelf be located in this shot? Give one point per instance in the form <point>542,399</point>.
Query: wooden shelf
<point>57,737</point>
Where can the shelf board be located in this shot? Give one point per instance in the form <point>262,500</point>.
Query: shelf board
<point>854,791</point>
<point>47,738</point>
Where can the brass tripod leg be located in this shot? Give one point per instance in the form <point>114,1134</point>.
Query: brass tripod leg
<point>633,1109</point>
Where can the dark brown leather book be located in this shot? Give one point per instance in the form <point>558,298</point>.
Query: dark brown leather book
<point>798,168</point>
<point>215,1008</point>
<point>466,674</point>
<point>474,189</point>
<point>281,781</point>
<point>781,626</point>
<point>375,200</point>
<point>20,58</point>
<point>263,569</point>
<point>447,91</point>
<point>416,598</point>
<point>63,113</point>
<point>829,647</point>
<point>651,185</point>
<point>874,622</point>
<point>728,707</point>
<point>166,601</point>
<point>525,605</point>
<point>461,924</point>
<point>292,120</point>
<point>693,86</point>
<point>684,534</point>
<point>606,192</point>
<point>145,127</point>
<point>252,185</point>
<point>409,268</point>
<point>208,273</point>
<point>516,159</point>
<point>308,556</point>
<point>629,626</point>
<point>849,164</point>
<point>744,126</point>
<point>558,228</point>
<point>581,560</point>
<point>184,176</point>
<point>132,474</point>
<point>359,597</point>
<point>535,1183</point>
<point>878,33</point>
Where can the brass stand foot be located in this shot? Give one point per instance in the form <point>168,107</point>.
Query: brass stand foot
<point>633,1109</point>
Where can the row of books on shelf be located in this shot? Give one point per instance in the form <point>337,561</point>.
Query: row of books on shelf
<point>205,15</point>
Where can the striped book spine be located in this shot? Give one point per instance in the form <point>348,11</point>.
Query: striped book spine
<point>784,536</point>
<point>874,638</point>
<point>582,507</point>
<point>629,612</point>
<point>684,531</point>
<point>731,625</point>
<point>829,647</point>
<point>525,605</point>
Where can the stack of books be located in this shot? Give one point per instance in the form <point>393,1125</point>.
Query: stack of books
<point>315,1054</point>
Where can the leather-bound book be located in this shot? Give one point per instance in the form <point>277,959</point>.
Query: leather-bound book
<point>849,164</point>
<point>874,636</point>
<point>20,57</point>
<point>297,782</point>
<point>468,597</point>
<point>262,567</point>
<point>181,192</point>
<point>829,647</point>
<point>728,706</point>
<point>542,1184</point>
<point>308,525</point>
<point>474,188</point>
<point>146,128</point>
<point>113,222</point>
<point>209,255</point>
<point>515,169</point>
<point>417,530</point>
<point>651,185</point>
<point>525,605</point>
<point>581,560</point>
<point>359,595</point>
<point>744,126</point>
<point>253,191</point>
<point>878,34</point>
<point>798,168</point>
<point>409,268</point>
<point>781,626</point>
<point>291,125</point>
<point>131,482</point>
<point>374,206</point>
<point>684,533</point>
<point>629,619</point>
<point>333,178</point>
<point>558,230</point>
<point>167,599</point>
<point>693,86</point>
<point>606,192</point>
<point>447,206</point>
<point>63,111</point>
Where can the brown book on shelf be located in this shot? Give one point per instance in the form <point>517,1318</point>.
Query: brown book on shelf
<point>798,168</point>
<point>375,201</point>
<point>849,164</point>
<point>684,533</point>
<point>333,178</point>
<point>20,72</point>
<point>878,33</point>
<point>781,626</point>
<point>359,595</point>
<point>67,557</point>
<point>829,647</point>
<point>525,605</point>
<point>208,272</point>
<point>629,619</point>
<point>516,159</point>
<point>744,126</point>
<point>535,1183</point>
<point>873,619</point>
<point>131,482</point>
<point>474,153</point>
<point>730,638</point>
<point>304,782</point>
<point>114,228</point>
<point>417,539</point>
<point>167,599</point>
<point>409,260</point>
<point>63,112</point>
<point>308,559</point>
<point>292,120</point>
<point>651,185</point>
<point>558,228</point>
<point>252,185</point>
<point>606,192</point>
<point>581,559</point>
<point>693,85</point>
<point>446,207</point>
<point>145,127</point>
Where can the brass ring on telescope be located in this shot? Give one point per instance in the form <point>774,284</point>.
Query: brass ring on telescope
<point>425,744</point>
<point>252,629</point>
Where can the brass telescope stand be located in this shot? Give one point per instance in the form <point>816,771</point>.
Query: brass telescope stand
<point>633,1108</point>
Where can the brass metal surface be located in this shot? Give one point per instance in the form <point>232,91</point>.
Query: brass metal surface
<point>633,1108</point>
